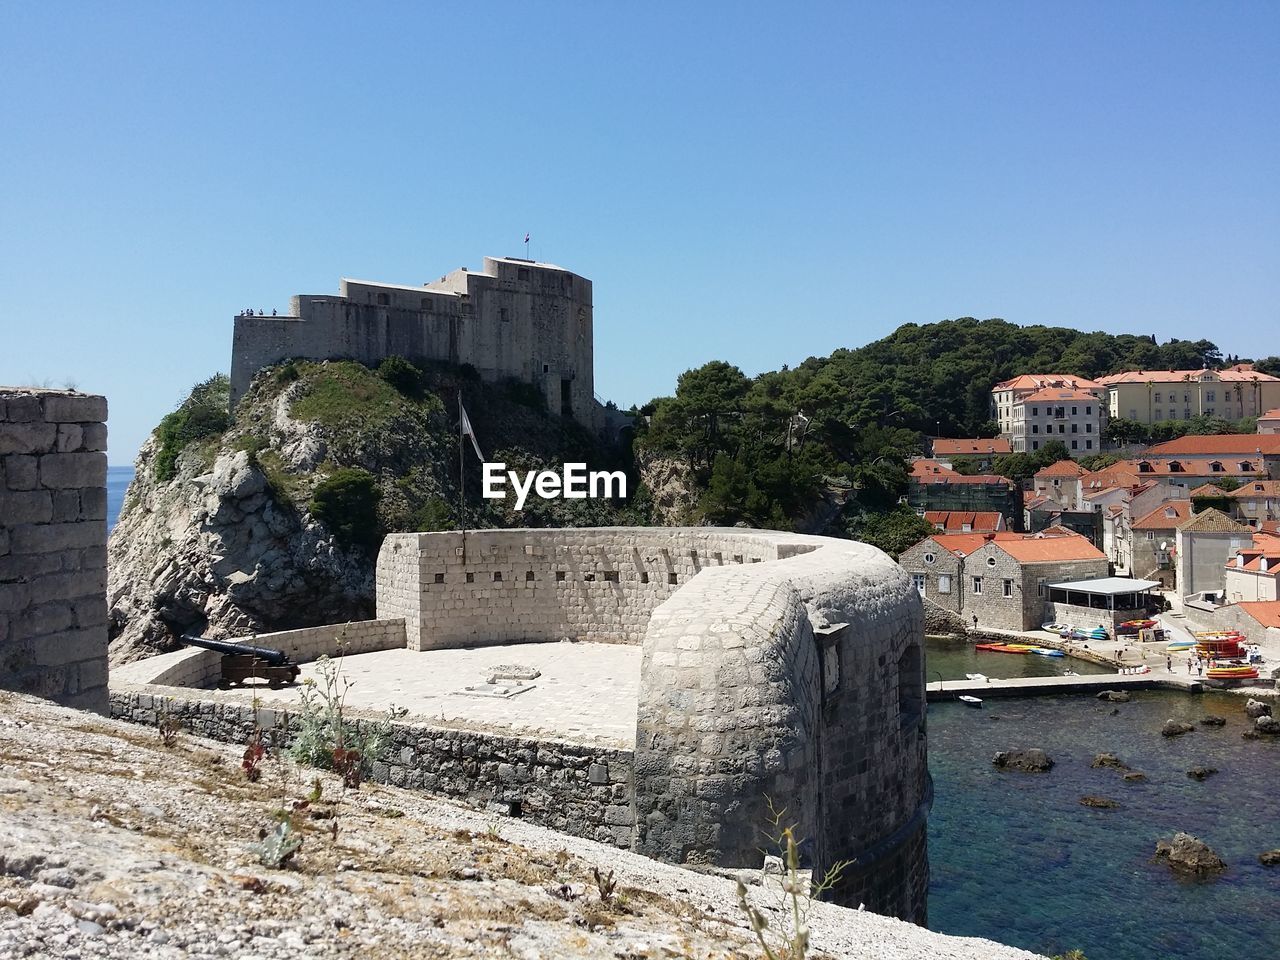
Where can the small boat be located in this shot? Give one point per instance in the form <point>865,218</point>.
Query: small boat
<point>1046,652</point>
<point>977,677</point>
<point>1232,671</point>
<point>1177,646</point>
<point>1135,626</point>
<point>969,701</point>
<point>1003,647</point>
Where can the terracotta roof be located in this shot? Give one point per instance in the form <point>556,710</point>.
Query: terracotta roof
<point>1063,468</point>
<point>1270,526</point>
<point>1271,415</point>
<point>1264,546</point>
<point>1164,517</point>
<point>1117,475</point>
<point>955,520</point>
<point>1266,612</point>
<point>1208,490</point>
<point>1182,376</point>
<point>963,544</point>
<point>1223,445</point>
<point>1256,488</point>
<point>924,467</point>
<point>976,447</point>
<point>1212,521</point>
<point>1187,467</point>
<point>1054,394</point>
<point>944,478</point>
<point>1038,381</point>
<point>1051,549</point>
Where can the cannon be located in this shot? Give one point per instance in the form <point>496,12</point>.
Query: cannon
<point>244,661</point>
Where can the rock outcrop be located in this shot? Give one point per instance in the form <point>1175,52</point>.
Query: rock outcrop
<point>1190,856</point>
<point>1099,803</point>
<point>1212,720</point>
<point>1256,708</point>
<point>1115,696</point>
<point>1270,858</point>
<point>1201,773</point>
<point>1032,760</point>
<point>1176,728</point>
<point>1109,760</point>
<point>218,534</point>
<point>1267,725</point>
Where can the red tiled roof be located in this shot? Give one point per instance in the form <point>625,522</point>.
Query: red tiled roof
<point>1054,394</point>
<point>1051,549</point>
<point>924,467</point>
<point>1208,490</point>
<point>1164,517</point>
<point>1063,468</point>
<point>943,446</point>
<point>1222,445</point>
<point>1182,376</point>
<point>1266,612</point>
<point>1264,545</point>
<point>955,520</point>
<point>943,476</point>
<point>1164,467</point>
<point>1256,488</point>
<point>1038,381</point>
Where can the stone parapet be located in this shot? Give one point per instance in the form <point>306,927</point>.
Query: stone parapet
<point>53,555</point>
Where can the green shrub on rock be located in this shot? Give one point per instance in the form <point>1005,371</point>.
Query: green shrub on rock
<point>204,414</point>
<point>347,503</point>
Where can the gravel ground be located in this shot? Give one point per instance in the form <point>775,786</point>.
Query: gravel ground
<point>113,845</point>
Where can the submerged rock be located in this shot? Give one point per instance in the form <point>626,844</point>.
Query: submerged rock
<point>1175,728</point>
<point>1189,855</point>
<point>1270,859</point>
<point>1267,725</point>
<point>1115,696</point>
<point>1210,720</point>
<point>1134,776</point>
<point>1256,708</point>
<point>1033,760</point>
<point>1099,803</point>
<point>1201,773</point>
<point>1109,760</point>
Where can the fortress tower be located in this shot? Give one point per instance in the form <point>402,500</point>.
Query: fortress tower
<point>516,318</point>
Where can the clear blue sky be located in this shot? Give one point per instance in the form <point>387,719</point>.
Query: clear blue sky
<point>754,183</point>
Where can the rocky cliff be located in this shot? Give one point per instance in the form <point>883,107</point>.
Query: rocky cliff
<point>269,518</point>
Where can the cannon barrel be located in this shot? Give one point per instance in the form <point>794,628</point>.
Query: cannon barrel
<point>276,658</point>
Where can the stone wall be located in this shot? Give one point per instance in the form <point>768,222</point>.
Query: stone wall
<point>505,586</point>
<point>200,668</point>
<point>53,553</point>
<point>575,788</point>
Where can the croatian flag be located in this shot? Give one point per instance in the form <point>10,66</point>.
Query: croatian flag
<point>526,238</point>
<point>469,431</point>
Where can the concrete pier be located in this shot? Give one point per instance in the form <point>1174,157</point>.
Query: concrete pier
<point>1034,686</point>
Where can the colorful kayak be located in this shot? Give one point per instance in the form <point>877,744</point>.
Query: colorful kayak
<point>1046,652</point>
<point>1232,673</point>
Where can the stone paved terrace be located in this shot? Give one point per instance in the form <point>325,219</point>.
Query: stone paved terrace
<point>587,693</point>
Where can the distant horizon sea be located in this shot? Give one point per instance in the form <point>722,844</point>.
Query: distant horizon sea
<point>117,483</point>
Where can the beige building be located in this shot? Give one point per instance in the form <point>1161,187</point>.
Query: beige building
<point>1015,419</point>
<point>1204,543</point>
<point>1150,396</point>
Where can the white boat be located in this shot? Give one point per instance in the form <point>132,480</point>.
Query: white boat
<point>978,677</point>
<point>969,701</point>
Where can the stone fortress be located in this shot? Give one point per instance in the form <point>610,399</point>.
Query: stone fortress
<point>740,666</point>
<point>515,319</point>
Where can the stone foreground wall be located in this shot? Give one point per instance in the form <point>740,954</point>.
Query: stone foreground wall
<point>579,789</point>
<point>53,545</point>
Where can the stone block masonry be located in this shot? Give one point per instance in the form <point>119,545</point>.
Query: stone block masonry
<point>53,545</point>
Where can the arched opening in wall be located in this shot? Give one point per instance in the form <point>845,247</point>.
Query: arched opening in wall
<point>911,687</point>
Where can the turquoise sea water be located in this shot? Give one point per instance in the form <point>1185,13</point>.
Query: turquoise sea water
<point>1016,858</point>
<point>117,483</point>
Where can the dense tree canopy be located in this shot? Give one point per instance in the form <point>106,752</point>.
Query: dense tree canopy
<point>765,450</point>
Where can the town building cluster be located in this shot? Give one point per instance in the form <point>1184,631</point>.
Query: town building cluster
<point>1197,517</point>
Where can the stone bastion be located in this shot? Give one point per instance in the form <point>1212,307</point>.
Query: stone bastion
<point>765,668</point>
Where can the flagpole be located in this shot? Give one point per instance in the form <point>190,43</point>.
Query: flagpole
<point>462,477</point>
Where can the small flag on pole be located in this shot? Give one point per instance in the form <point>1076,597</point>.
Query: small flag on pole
<point>526,238</point>
<point>469,431</point>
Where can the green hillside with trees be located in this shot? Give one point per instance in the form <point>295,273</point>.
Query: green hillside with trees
<point>764,450</point>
